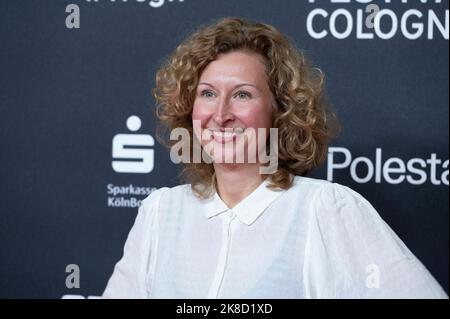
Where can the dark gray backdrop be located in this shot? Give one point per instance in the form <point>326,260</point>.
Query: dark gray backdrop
<point>65,93</point>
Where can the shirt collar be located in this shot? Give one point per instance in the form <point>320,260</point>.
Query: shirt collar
<point>247,210</point>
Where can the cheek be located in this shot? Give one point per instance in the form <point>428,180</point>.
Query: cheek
<point>200,113</point>
<point>256,118</point>
<point>200,118</point>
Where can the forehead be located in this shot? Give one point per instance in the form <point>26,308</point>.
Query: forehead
<point>237,65</point>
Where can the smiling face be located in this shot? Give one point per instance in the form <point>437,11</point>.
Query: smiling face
<point>233,99</point>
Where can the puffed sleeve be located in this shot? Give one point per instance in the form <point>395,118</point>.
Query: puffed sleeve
<point>129,276</point>
<point>352,253</point>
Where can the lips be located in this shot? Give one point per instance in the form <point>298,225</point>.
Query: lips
<point>225,135</point>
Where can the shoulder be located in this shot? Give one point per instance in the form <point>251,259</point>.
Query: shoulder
<point>165,194</point>
<point>341,214</point>
<point>326,195</point>
<point>356,251</point>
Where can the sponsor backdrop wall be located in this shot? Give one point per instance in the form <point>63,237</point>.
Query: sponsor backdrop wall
<point>78,150</point>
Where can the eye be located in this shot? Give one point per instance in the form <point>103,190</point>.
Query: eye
<point>207,93</point>
<point>243,95</point>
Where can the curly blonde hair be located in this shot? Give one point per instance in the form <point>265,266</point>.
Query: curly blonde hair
<point>303,118</point>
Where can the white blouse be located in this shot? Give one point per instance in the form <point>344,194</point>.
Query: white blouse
<point>315,240</point>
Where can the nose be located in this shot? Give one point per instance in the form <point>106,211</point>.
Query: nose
<point>223,113</point>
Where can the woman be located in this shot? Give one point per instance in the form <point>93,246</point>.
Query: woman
<point>252,228</point>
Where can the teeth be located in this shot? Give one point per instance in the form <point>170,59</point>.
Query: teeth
<point>227,135</point>
<point>223,134</point>
<point>229,131</point>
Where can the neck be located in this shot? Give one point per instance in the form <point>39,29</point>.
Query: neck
<point>236,181</point>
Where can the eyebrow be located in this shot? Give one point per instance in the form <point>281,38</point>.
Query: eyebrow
<point>235,87</point>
